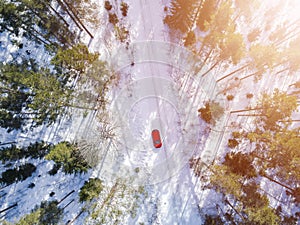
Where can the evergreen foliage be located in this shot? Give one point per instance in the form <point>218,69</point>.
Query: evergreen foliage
<point>274,156</point>
<point>45,214</point>
<point>73,61</point>
<point>124,8</point>
<point>206,14</point>
<point>86,11</point>
<point>279,152</point>
<point>211,112</point>
<point>249,95</point>
<point>276,109</point>
<point>213,220</point>
<point>32,218</point>
<point>121,33</point>
<point>230,97</point>
<point>182,13</point>
<point>67,156</point>
<point>205,113</point>
<point>252,206</point>
<point>34,18</point>
<point>240,164</point>
<point>29,95</point>
<point>190,39</point>
<point>14,153</point>
<point>19,173</point>
<point>113,18</point>
<point>226,182</point>
<point>107,5</point>
<point>91,189</point>
<point>254,35</point>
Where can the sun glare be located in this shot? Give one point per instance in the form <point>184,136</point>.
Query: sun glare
<point>288,9</point>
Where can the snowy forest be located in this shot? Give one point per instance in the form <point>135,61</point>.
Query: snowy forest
<point>61,143</point>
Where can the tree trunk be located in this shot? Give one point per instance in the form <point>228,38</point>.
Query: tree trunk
<point>44,21</point>
<point>110,194</point>
<point>57,13</point>
<point>211,68</point>
<point>256,115</point>
<point>296,84</point>
<point>32,31</point>
<point>8,29</point>
<point>236,17</point>
<point>49,30</point>
<point>75,15</point>
<point>251,75</point>
<point>280,71</point>
<point>205,60</point>
<point>197,13</point>
<point>277,182</point>
<point>287,38</point>
<point>295,93</point>
<point>68,12</point>
<point>233,72</point>
<point>240,215</point>
<point>279,42</point>
<point>29,31</point>
<point>245,110</point>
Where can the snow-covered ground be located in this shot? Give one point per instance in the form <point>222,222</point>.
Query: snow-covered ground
<point>149,99</point>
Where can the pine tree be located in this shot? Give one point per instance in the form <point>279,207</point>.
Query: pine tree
<point>206,12</point>
<point>254,35</point>
<point>90,190</point>
<point>19,173</point>
<point>107,5</point>
<point>226,182</point>
<point>81,11</point>
<point>31,218</point>
<point>182,13</point>
<point>213,220</point>
<point>262,216</point>
<point>124,8</point>
<point>190,39</point>
<point>34,19</point>
<point>211,112</point>
<point>277,151</point>
<point>14,153</point>
<point>30,96</point>
<point>221,43</point>
<point>74,61</point>
<point>263,57</point>
<point>276,108</point>
<point>67,156</point>
<point>45,214</point>
<point>240,164</point>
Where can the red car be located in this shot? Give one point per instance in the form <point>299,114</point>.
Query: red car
<point>156,138</point>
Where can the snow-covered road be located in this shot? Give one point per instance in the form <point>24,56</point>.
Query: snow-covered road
<point>149,98</point>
